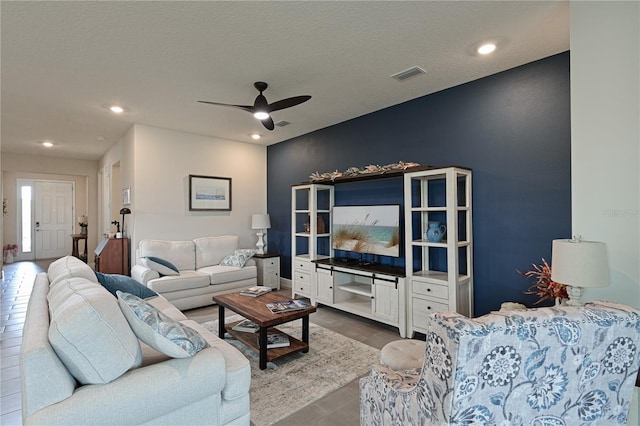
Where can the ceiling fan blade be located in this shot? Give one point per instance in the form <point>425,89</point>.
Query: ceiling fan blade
<point>288,103</point>
<point>248,108</point>
<point>268,123</point>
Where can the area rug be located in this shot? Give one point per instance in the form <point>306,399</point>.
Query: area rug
<point>291,382</point>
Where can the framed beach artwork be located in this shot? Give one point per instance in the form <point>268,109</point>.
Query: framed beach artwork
<point>209,193</point>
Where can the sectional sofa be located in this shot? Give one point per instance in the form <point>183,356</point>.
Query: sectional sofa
<point>83,358</point>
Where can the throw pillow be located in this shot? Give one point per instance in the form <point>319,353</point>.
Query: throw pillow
<point>238,258</point>
<point>115,282</point>
<point>158,330</point>
<point>164,267</point>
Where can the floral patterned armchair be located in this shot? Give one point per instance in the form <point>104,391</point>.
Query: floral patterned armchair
<point>548,366</point>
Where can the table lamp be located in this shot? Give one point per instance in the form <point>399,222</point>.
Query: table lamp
<point>579,264</point>
<point>261,222</point>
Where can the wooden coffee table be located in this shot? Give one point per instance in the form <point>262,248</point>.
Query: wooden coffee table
<point>255,309</point>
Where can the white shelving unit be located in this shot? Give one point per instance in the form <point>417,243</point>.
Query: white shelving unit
<point>440,273</point>
<point>311,233</point>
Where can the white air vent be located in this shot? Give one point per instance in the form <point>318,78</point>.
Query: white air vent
<point>282,123</point>
<point>408,73</point>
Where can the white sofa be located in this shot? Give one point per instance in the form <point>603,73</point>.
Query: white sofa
<point>81,362</point>
<point>201,276</point>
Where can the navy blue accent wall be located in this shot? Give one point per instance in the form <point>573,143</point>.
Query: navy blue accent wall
<point>512,129</point>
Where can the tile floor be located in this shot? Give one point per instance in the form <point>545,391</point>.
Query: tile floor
<point>340,407</point>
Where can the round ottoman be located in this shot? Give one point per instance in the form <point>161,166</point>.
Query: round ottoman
<point>403,354</point>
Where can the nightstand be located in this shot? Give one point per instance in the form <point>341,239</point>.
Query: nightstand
<point>268,269</point>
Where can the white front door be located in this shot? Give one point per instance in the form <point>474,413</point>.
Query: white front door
<point>53,219</point>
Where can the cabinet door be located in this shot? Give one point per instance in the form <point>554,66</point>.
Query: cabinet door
<point>325,286</point>
<point>386,300</point>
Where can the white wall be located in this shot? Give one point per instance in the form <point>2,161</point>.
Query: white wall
<point>605,139</point>
<point>164,159</point>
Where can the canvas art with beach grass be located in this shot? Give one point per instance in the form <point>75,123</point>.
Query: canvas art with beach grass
<point>367,229</point>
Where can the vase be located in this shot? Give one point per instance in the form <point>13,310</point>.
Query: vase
<point>9,257</point>
<point>436,232</point>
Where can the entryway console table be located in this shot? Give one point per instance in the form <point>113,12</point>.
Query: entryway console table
<point>438,251</point>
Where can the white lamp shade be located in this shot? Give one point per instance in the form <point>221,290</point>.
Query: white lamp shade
<point>579,263</point>
<point>260,221</point>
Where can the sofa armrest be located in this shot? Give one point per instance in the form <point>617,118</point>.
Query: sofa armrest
<point>143,394</point>
<point>143,275</point>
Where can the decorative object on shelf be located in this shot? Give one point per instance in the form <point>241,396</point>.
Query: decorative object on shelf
<point>209,193</point>
<point>545,288</point>
<point>261,222</point>
<point>436,232</point>
<point>355,171</point>
<point>579,264</point>
<point>83,222</point>
<point>5,207</point>
<point>321,225</point>
<point>9,253</point>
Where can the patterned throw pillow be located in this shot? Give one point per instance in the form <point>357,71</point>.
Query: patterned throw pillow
<point>164,267</point>
<point>158,330</point>
<point>238,258</point>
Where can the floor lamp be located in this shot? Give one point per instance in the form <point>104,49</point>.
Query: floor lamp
<point>123,211</point>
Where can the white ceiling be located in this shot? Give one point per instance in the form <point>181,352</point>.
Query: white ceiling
<point>64,62</point>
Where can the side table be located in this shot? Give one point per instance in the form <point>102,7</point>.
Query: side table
<point>268,269</point>
<point>75,251</point>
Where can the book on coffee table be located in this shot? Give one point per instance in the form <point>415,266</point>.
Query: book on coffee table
<point>276,340</point>
<point>288,306</point>
<point>247,326</point>
<point>256,291</point>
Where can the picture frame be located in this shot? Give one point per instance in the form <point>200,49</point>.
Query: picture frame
<point>207,193</point>
<point>126,196</point>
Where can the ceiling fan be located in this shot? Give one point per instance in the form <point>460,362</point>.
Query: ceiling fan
<point>261,109</point>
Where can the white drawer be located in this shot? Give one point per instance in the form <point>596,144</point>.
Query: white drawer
<point>272,263</point>
<point>430,289</point>
<point>302,277</point>
<point>422,308</point>
<point>302,265</point>
<point>302,288</point>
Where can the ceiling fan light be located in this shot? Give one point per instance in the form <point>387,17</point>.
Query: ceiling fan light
<point>261,115</point>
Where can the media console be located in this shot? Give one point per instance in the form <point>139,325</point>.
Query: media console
<point>372,291</point>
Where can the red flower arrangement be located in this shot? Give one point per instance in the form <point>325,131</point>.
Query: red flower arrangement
<point>544,287</point>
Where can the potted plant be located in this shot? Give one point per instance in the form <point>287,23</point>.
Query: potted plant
<point>544,287</point>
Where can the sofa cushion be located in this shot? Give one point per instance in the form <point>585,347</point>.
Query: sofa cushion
<point>89,332</point>
<point>211,250</point>
<point>185,281</point>
<point>237,365</point>
<point>164,267</point>
<point>225,274</point>
<point>115,282</point>
<point>69,266</point>
<point>179,253</point>
<point>158,330</point>
<point>238,258</point>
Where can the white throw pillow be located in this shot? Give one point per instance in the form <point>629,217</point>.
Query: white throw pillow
<point>89,332</point>
<point>158,330</point>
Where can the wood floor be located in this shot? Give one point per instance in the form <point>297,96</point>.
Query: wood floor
<point>340,407</point>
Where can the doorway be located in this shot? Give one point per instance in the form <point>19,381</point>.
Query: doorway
<point>45,218</point>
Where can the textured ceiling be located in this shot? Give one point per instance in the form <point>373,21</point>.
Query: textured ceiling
<point>64,62</point>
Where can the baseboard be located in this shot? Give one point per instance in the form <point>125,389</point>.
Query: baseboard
<point>285,282</point>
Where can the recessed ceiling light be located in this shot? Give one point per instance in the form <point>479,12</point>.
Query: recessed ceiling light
<point>486,48</point>
<point>255,136</point>
<point>117,109</point>
<point>47,144</point>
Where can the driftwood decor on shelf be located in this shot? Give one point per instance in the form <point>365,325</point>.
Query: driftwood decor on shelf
<point>368,171</point>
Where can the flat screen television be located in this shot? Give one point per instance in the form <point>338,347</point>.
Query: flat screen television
<point>366,229</point>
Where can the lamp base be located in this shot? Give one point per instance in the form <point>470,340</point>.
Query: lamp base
<point>575,296</point>
<point>260,244</point>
